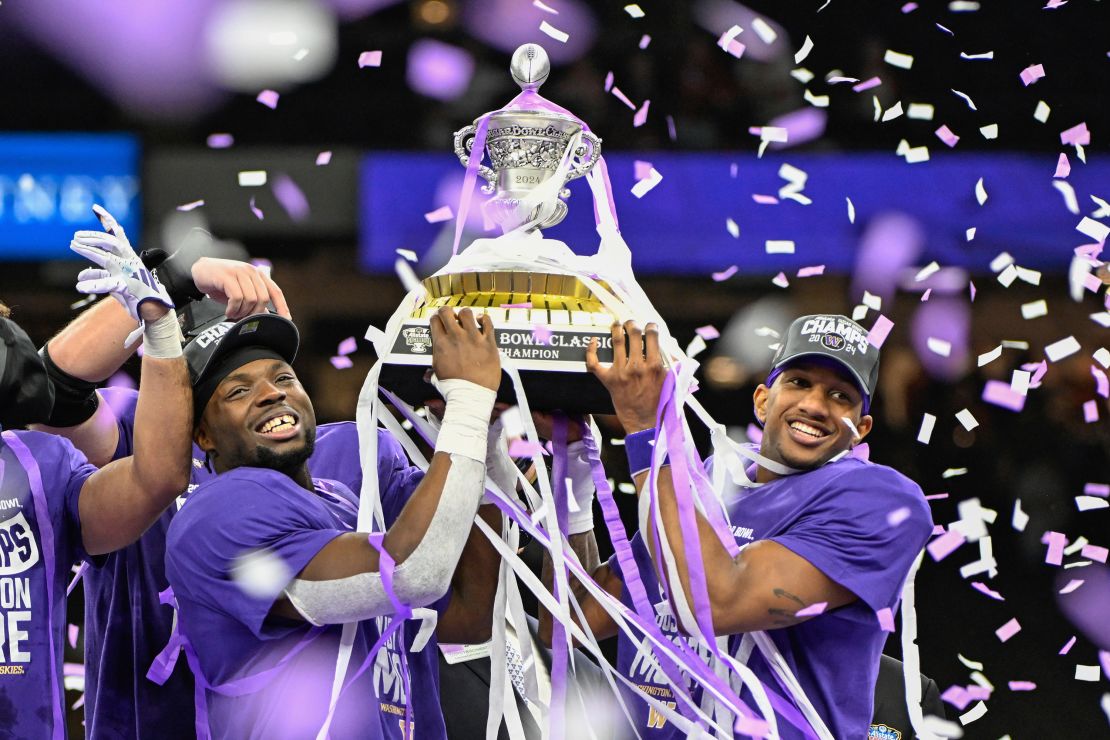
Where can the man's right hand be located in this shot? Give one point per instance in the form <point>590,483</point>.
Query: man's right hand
<point>245,289</point>
<point>461,350</point>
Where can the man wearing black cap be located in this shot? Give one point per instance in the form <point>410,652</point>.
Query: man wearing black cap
<point>822,532</point>
<point>266,562</point>
<point>56,509</point>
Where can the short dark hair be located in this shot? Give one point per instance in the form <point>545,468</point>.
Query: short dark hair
<point>5,312</point>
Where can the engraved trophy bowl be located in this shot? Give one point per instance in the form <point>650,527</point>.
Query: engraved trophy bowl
<point>525,149</point>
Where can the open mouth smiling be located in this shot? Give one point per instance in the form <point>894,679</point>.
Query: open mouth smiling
<point>806,433</point>
<point>279,427</point>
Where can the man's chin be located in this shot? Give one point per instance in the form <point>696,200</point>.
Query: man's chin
<point>810,460</point>
<point>285,455</point>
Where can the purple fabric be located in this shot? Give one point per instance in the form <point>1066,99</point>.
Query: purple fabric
<point>126,625</point>
<point>834,517</point>
<point>638,448</point>
<point>40,538</point>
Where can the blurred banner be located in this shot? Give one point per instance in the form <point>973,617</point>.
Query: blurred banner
<point>712,211</point>
<point>49,182</point>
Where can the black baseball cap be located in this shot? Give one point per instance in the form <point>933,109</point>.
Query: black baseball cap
<point>26,393</point>
<point>217,349</point>
<point>837,338</point>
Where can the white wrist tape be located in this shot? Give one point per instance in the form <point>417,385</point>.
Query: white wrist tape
<point>580,489</point>
<point>466,418</point>
<point>162,338</point>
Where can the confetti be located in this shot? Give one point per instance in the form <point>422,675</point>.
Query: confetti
<point>707,332</point>
<point>879,331</point>
<point>369,59</point>
<point>867,84</point>
<point>837,79</point>
<point>953,472</point>
<point>1094,552</point>
<point>641,115</point>
<point>982,56</point>
<point>967,99</point>
<point>1097,489</point>
<point>945,134</point>
<point>1063,166</point>
<point>74,630</point>
<point>1067,646</point>
<point>619,95</point>
<point>547,9</point>
<point>764,31</point>
<point>1002,394</point>
<point>805,272</point>
<point>781,280</point>
<point>541,333</point>
<point>966,419</point>
<point>1094,229</point>
<point>963,6</point>
<point>973,714</point>
<point>765,200</point>
<point>1042,111</point>
<point>524,448</point>
<point>1056,541</point>
<point>980,192</point>
<point>939,346</point>
<point>608,81</point>
<point>340,362</point>
<point>1076,135</point>
<point>220,141</point>
<point>886,619</point>
<point>728,42</point>
<point>634,10</point>
<point>252,178</point>
<point>926,271</point>
<point>1068,192</point>
<point>1034,309</point>
<point>443,213</point>
<point>779,246</point>
<point>1087,672</point>
<point>1072,585</point>
<point>818,101</point>
<point>1102,383</point>
<point>897,59</point>
<point>1031,74</point>
<point>970,233</point>
<point>925,433</point>
<point>190,206</point>
<point>1022,686</point>
<point>291,198</point>
<point>407,254</point>
<point>984,589</point>
<point>268,98</point>
<point>554,33</point>
<point>851,211</point>
<point>990,131</point>
<point>943,546</point>
<point>641,188</point>
<point>920,111</point>
<point>645,40</point>
<point>898,516</point>
<point>260,573</point>
<point>323,158</point>
<point>300,55</point>
<point>909,7</point>
<point>812,610</point>
<point>802,75</point>
<point>725,274</point>
<point>1008,630</point>
<point>1061,349</point>
<point>641,169</point>
<point>892,112</point>
<point>917,154</point>
<point>801,54</point>
<point>1090,412</point>
<point>990,356</point>
<point>732,228</point>
<point>1102,355</point>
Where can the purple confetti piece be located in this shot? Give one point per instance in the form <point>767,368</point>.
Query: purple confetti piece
<point>1056,542</point>
<point>725,274</point>
<point>1076,135</point>
<point>937,497</point>
<point>524,448</point>
<point>291,197</point>
<point>984,589</point>
<point>641,170</point>
<point>1001,394</point>
<point>369,59</point>
<point>886,619</point>
<point>347,346</point>
<point>1063,166</point>
<point>526,304</point>
<point>1022,686</point>
<point>978,693</point>
<point>1090,411</point>
<point>765,200</point>
<point>1031,74</point>
<point>74,630</point>
<point>73,669</point>
<point>268,98</point>
<point>867,84</point>
<point>1104,660</point>
<point>1095,552</point>
<point>608,82</point>
<point>641,115</point>
<point>1097,489</point>
<point>898,516</point>
<point>780,280</point>
<point>256,210</point>
<point>811,271</point>
<point>340,362</point>
<point>541,334</point>
<point>323,158</point>
<point>443,213</point>
<point>957,696</point>
<point>191,206</point>
<point>812,610</point>
<point>971,289</point>
<point>945,134</point>
<point>220,141</point>
<point>945,545</point>
<point>644,41</point>
<point>1072,585</point>
<point>1008,630</point>
<point>909,7</point>
<point>622,97</point>
<point>880,331</point>
<point>672,133</point>
<point>925,296</point>
<point>707,332</point>
<point>1067,646</point>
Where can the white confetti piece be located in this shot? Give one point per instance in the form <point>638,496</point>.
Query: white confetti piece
<point>545,8</point>
<point>980,192</point>
<point>641,188</point>
<point>859,313</point>
<point>1087,672</point>
<point>942,728</point>
<point>370,59</point>
<point>1034,309</point>
<point>728,41</point>
<point>802,75</point>
<point>1008,276</point>
<point>555,33</point>
<point>982,56</point>
<point>1020,518</point>
<point>872,301</point>
<point>851,211</point>
<point>1008,630</point>
<point>1003,260</point>
<point>1102,356</point>
<point>1063,348</point>
<point>925,433</point>
<point>1042,111</point>
<point>1031,74</point>
<point>967,99</point>
<point>991,356</point>
<point>1019,382</point>
<point>1033,277</point>
<point>953,473</point>
<point>252,178</point>
<point>1089,503</point>
<point>764,31</point>
<point>407,254</point>
<point>1102,318</point>
<point>443,213</point>
<point>733,229</point>
<point>408,277</point>
<point>926,271</point>
<point>963,6</point>
<point>897,59</point>
<point>917,154</point>
<point>323,158</point>
<point>781,280</point>
<point>892,112</point>
<point>939,346</point>
<point>626,488</point>
<point>779,246</point>
<point>634,10</point>
<point>920,111</point>
<point>1072,585</point>
<point>989,131</point>
<point>970,664</point>
<point>300,55</point>
<point>878,107</point>
<point>970,233</point>
<point>817,101</point>
<point>801,54</point>
<point>1094,229</point>
<point>1068,192</point>
<point>973,714</point>
<point>966,419</point>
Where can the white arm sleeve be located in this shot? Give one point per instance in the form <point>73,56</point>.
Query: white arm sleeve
<point>423,577</point>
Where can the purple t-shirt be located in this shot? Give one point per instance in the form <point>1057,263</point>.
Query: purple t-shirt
<point>836,518</point>
<point>126,626</point>
<point>31,692</point>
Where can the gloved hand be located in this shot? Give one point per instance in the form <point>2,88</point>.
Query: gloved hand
<point>121,273</point>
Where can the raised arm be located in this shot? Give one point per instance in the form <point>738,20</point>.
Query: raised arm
<point>343,582</point>
<point>766,584</point>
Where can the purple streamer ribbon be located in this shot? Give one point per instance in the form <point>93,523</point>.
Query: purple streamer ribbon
<point>26,459</point>
<point>559,635</point>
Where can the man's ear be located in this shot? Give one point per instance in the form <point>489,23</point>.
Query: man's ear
<point>864,427</point>
<point>203,439</point>
<point>759,398</point>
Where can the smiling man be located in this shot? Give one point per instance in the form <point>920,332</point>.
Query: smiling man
<point>824,531</point>
<point>265,560</point>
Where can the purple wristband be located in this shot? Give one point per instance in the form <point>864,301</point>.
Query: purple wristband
<point>639,447</point>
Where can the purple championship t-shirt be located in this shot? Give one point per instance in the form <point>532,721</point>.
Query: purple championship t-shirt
<point>31,691</point>
<point>126,626</point>
<point>836,518</point>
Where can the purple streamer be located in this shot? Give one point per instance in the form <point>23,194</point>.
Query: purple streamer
<point>559,634</point>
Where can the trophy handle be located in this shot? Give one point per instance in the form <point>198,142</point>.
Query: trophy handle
<point>586,155</point>
<point>464,142</point>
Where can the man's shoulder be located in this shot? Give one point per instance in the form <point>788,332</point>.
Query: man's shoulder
<point>53,453</point>
<point>855,473</point>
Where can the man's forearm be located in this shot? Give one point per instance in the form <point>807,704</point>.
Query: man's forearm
<point>91,346</point>
<point>469,615</point>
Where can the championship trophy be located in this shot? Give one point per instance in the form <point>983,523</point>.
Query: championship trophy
<point>546,302</point>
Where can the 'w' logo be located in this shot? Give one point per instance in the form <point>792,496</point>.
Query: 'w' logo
<point>655,719</point>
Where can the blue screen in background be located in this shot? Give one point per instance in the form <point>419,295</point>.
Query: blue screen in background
<point>49,182</point>
<point>679,227</point>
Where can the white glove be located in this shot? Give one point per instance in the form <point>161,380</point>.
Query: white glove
<point>121,273</point>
